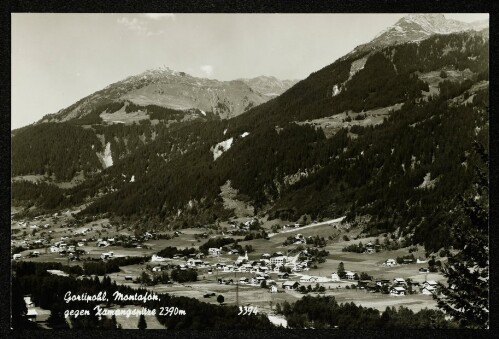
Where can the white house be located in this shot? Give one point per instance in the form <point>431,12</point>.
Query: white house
<point>307,278</point>
<point>215,251</point>
<point>431,283</point>
<point>107,255</point>
<point>399,281</point>
<point>428,290</point>
<point>16,256</point>
<point>335,276</point>
<point>157,258</point>
<point>273,289</point>
<point>390,262</point>
<point>350,275</point>
<point>398,290</point>
<point>156,269</point>
<point>278,261</point>
<point>229,268</point>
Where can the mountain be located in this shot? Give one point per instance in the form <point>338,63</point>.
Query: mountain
<point>269,85</point>
<point>163,87</point>
<point>383,135</point>
<point>416,27</point>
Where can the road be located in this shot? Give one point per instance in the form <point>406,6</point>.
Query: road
<point>337,220</point>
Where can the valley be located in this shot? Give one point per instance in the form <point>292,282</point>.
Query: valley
<point>343,200</point>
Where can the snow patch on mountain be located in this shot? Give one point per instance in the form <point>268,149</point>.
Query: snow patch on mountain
<point>221,147</point>
<point>245,134</point>
<point>356,66</point>
<point>106,157</point>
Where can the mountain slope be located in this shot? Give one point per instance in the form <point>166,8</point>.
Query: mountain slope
<point>402,173</point>
<point>175,90</point>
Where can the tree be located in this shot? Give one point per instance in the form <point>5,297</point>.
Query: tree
<point>341,270</point>
<point>19,309</point>
<point>467,271</point>
<point>220,299</point>
<point>142,325</point>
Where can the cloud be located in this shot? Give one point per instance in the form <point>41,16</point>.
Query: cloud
<point>207,69</point>
<point>159,16</point>
<point>140,26</point>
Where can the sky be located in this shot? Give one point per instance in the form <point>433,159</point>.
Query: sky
<point>58,59</point>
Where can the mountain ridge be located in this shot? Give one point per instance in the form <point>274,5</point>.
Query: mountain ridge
<point>171,89</point>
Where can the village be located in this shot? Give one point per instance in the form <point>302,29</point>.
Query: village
<point>275,264</point>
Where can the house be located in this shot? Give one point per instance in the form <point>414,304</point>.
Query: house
<point>431,283</point>
<point>335,276</point>
<point>398,290</point>
<point>265,256</point>
<point>290,285</point>
<point>424,270</point>
<point>244,281</point>
<point>102,243</point>
<point>229,268</point>
<point>307,278</point>
<point>16,256</point>
<point>273,289</point>
<point>428,290</point>
<point>370,248</point>
<point>283,275</point>
<point>107,255</point>
<point>390,262</point>
<point>31,314</point>
<point>408,261</point>
<point>372,287</point>
<point>157,258</point>
<point>194,262</point>
<point>278,261</point>
<point>156,269</point>
<point>399,282</point>
<point>382,282</point>
<point>215,251</point>
<point>350,275</point>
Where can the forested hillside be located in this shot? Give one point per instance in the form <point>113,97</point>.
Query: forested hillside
<point>403,173</point>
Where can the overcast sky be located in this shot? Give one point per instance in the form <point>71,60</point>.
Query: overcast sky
<point>58,59</point>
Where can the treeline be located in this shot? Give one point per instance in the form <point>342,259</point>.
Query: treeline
<point>40,194</point>
<point>156,112</point>
<point>170,252</point>
<point>324,312</point>
<point>58,149</point>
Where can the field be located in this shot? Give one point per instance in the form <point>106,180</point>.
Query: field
<point>251,295</point>
<point>331,125</point>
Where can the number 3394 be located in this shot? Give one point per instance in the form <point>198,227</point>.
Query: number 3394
<point>247,310</point>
